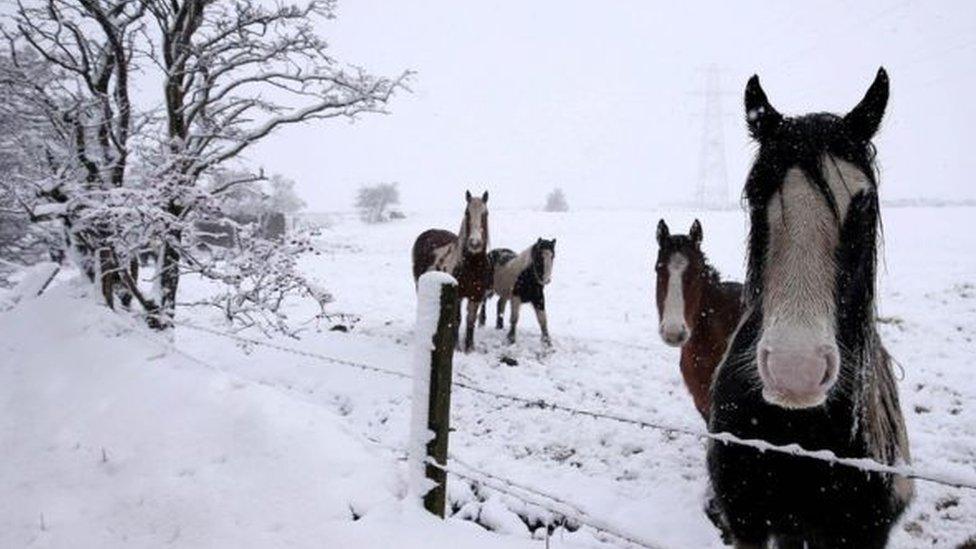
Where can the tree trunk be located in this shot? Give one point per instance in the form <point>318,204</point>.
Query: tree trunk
<point>106,275</point>
<point>169,281</point>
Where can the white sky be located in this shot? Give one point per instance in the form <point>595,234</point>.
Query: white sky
<point>600,97</point>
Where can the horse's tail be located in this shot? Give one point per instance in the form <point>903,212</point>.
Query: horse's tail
<point>416,256</point>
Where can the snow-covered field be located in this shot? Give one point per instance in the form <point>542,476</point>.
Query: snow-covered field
<point>277,449</point>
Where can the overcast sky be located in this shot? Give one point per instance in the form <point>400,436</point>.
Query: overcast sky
<point>604,98</point>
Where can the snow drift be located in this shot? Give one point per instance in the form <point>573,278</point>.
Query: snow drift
<point>112,437</point>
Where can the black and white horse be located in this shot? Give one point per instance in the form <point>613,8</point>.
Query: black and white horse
<point>522,278</point>
<point>806,364</point>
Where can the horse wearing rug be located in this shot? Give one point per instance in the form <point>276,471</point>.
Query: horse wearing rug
<point>697,311</point>
<point>521,278</point>
<point>806,365</point>
<point>463,255</point>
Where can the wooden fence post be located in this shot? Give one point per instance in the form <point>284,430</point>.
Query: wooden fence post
<point>437,295</point>
<point>439,407</point>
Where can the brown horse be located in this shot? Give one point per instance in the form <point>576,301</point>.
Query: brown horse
<point>463,255</point>
<point>698,312</point>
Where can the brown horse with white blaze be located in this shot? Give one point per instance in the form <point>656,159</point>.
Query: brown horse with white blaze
<point>697,310</point>
<point>463,255</point>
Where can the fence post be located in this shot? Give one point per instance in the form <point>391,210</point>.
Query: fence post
<point>435,333</point>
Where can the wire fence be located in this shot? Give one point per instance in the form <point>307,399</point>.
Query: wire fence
<point>553,504</point>
<point>863,464</point>
<point>527,494</point>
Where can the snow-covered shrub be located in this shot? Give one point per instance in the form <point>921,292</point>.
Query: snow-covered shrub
<point>556,201</point>
<point>373,202</point>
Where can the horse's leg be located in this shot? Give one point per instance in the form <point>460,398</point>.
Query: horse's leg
<point>482,314</point>
<point>513,322</point>
<point>500,313</point>
<point>540,315</point>
<point>470,319</point>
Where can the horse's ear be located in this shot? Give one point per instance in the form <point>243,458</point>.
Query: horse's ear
<point>863,120</point>
<point>696,232</point>
<point>662,232</point>
<point>467,195</point>
<point>762,118</point>
<point>484,197</point>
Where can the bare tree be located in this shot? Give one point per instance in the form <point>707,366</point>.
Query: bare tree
<point>123,180</point>
<point>372,201</point>
<point>234,72</point>
<point>22,242</point>
<point>65,76</point>
<point>283,197</point>
<point>556,201</point>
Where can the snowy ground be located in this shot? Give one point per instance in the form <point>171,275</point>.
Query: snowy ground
<point>606,357</point>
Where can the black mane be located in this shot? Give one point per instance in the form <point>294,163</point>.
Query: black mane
<point>540,246</point>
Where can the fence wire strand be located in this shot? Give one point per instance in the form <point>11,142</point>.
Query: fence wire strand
<point>538,498</point>
<point>524,493</point>
<point>863,464</point>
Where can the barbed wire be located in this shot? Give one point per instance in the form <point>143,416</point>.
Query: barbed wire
<point>292,350</point>
<point>529,495</point>
<point>538,498</point>
<point>862,464</point>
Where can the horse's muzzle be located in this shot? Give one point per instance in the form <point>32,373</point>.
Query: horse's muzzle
<point>798,378</point>
<point>675,336</point>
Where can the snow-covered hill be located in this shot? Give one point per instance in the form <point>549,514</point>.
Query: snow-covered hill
<point>109,439</point>
<point>295,433</point>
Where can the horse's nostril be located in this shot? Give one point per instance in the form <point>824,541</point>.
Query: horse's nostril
<point>764,358</point>
<point>832,368</point>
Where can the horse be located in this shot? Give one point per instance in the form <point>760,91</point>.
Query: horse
<point>698,312</point>
<point>522,278</point>
<point>806,364</point>
<point>463,255</point>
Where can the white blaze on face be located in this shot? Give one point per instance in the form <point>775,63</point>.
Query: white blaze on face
<point>472,231</point>
<point>547,257</point>
<point>797,354</point>
<point>674,330</point>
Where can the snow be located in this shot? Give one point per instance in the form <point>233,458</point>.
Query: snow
<point>31,282</point>
<point>294,429</point>
<point>112,439</point>
<point>50,210</point>
<point>429,287</point>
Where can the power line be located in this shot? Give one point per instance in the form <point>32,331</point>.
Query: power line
<point>713,183</point>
